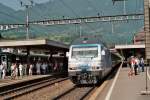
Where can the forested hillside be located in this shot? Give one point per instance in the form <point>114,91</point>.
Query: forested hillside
<point>58,9</point>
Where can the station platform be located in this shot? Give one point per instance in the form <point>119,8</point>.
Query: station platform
<point>9,81</point>
<point>129,87</point>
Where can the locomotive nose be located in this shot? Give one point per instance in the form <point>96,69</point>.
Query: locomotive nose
<point>85,75</point>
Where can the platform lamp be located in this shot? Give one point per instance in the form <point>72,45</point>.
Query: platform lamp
<point>27,5</point>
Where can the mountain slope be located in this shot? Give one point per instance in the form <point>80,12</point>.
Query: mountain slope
<point>58,9</point>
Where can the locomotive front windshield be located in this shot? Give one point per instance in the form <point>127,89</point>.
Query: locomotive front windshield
<point>84,52</point>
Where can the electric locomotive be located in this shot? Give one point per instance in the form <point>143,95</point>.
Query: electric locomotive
<point>89,60</point>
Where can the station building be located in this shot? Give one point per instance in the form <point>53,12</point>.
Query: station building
<point>31,51</point>
<point>137,48</point>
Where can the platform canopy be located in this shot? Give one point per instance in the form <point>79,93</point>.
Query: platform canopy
<point>131,50</point>
<point>130,46</point>
<point>41,44</point>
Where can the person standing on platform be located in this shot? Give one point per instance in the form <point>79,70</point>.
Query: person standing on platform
<point>25,69</point>
<point>136,65</point>
<point>56,66</point>
<point>132,61</point>
<point>31,69</point>
<point>4,68</point>
<point>44,67</point>
<point>13,73</point>
<point>1,66</point>
<point>38,68</point>
<point>16,71</point>
<point>128,62</point>
<point>130,73</point>
<point>21,70</point>
<point>142,64</point>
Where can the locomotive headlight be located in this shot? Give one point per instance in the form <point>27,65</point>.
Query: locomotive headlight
<point>96,65</point>
<point>72,66</point>
<point>93,67</point>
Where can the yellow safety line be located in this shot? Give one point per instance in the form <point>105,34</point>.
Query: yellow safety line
<point>97,92</point>
<point>113,84</point>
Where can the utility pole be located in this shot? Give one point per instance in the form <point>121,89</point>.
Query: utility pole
<point>124,7</point>
<point>27,6</point>
<point>112,27</point>
<point>147,40</point>
<point>80,30</point>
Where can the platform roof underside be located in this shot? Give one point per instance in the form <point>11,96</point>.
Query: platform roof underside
<point>41,44</point>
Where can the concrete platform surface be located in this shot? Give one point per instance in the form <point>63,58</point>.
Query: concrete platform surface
<point>8,80</point>
<point>129,88</point>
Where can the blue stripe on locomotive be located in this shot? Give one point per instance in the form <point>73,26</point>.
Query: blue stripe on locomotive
<point>85,45</point>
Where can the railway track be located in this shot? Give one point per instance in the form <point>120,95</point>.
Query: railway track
<point>73,93</point>
<point>16,92</point>
<point>76,93</point>
<point>85,92</point>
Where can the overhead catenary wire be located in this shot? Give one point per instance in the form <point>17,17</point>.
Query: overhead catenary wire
<point>75,13</point>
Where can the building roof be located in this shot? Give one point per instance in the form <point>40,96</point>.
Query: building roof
<point>139,38</point>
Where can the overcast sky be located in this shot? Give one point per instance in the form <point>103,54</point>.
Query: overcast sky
<point>15,4</point>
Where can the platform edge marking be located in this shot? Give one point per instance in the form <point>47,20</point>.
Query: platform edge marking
<point>98,91</point>
<point>113,84</point>
<point>148,74</point>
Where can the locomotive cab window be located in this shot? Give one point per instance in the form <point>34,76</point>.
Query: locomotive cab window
<point>85,52</point>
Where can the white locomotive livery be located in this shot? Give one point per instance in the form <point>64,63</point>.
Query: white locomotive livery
<point>89,61</point>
